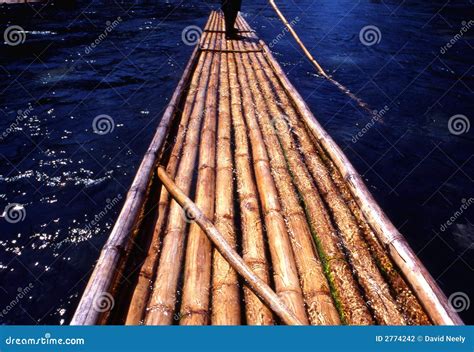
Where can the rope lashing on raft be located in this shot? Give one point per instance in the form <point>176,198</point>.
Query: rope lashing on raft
<point>229,51</point>
<point>222,31</point>
<point>319,68</point>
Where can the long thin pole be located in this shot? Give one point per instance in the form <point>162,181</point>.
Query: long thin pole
<point>298,40</point>
<point>148,270</point>
<point>316,64</point>
<point>350,301</point>
<point>226,307</point>
<point>425,287</point>
<point>195,301</point>
<point>253,236</point>
<point>257,285</point>
<point>283,262</point>
<point>162,302</point>
<point>319,303</point>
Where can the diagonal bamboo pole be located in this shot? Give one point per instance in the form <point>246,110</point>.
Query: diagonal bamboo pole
<point>319,68</point>
<point>226,250</point>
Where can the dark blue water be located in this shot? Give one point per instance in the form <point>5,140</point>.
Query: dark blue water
<point>68,182</point>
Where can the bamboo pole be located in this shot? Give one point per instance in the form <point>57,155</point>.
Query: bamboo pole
<point>141,293</point>
<point>298,40</point>
<point>253,245</point>
<point>208,26</point>
<point>375,288</point>
<point>162,303</point>
<point>197,270</point>
<point>319,68</point>
<point>105,272</point>
<point>319,302</point>
<point>406,300</point>
<point>346,291</point>
<point>225,285</point>
<point>258,285</point>
<point>345,288</point>
<point>221,26</point>
<point>428,292</point>
<point>142,289</point>
<point>353,229</point>
<point>284,266</point>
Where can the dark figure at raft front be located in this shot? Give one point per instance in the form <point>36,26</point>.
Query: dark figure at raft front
<point>231,8</point>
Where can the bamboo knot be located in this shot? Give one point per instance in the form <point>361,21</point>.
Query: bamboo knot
<point>116,248</point>
<point>206,167</point>
<point>250,203</point>
<point>255,263</point>
<point>188,312</point>
<point>161,307</point>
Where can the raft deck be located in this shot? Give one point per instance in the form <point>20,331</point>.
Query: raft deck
<point>239,140</point>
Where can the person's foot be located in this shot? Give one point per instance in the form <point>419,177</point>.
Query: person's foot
<point>233,35</point>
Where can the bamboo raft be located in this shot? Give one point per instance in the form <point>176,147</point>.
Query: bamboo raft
<point>282,204</point>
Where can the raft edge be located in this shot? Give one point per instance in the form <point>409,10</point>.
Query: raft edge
<point>102,280</point>
<point>424,286</point>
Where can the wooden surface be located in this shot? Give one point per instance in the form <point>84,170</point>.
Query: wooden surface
<point>248,151</point>
<point>257,285</point>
